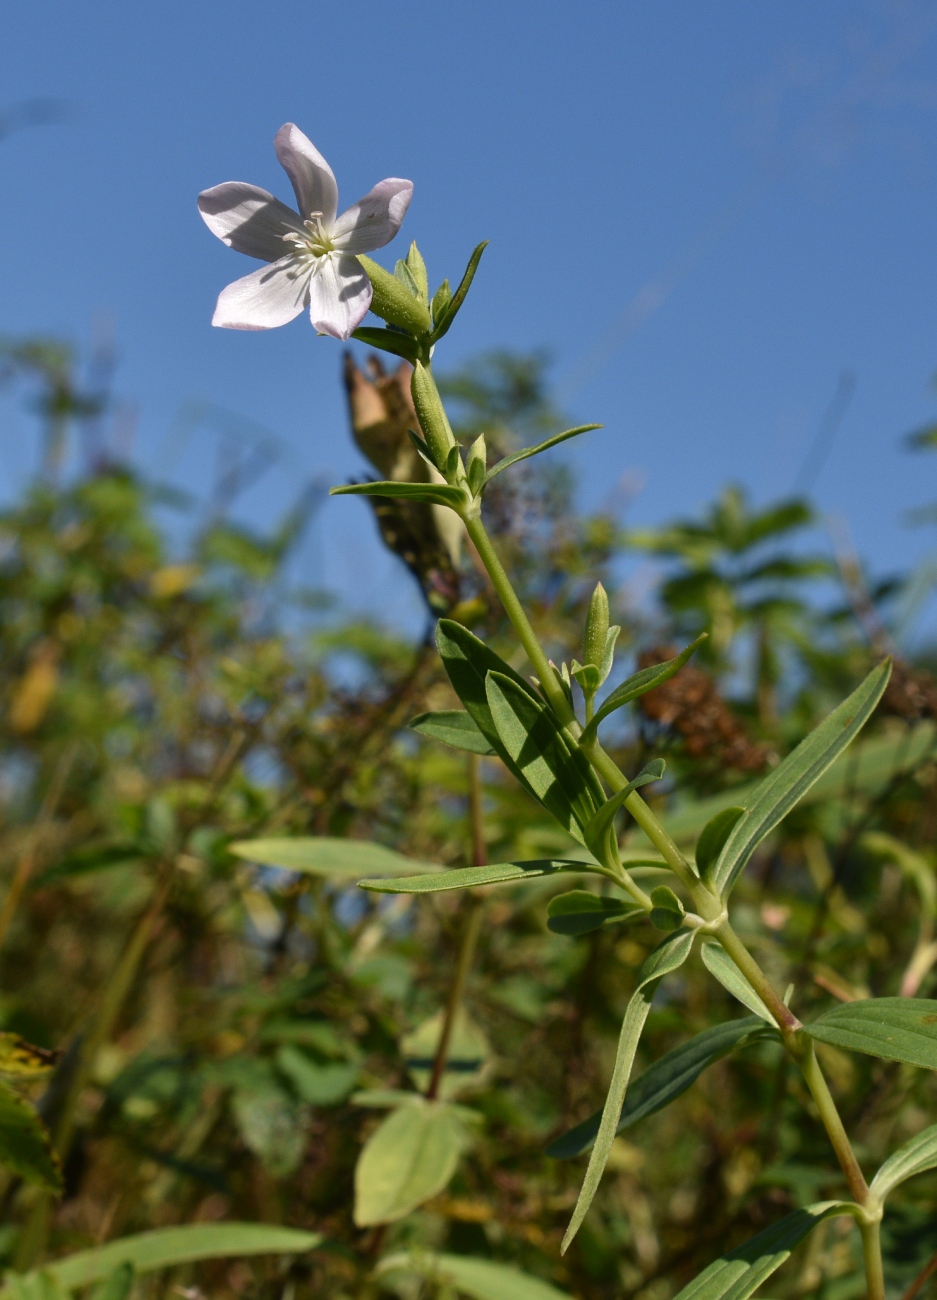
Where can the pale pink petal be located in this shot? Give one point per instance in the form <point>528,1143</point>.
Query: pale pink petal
<point>339,295</point>
<point>313,182</point>
<point>270,296</point>
<point>248,219</point>
<point>375,219</point>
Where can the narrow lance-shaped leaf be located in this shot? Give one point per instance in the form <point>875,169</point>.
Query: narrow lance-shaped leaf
<point>326,855</point>
<point>721,966</point>
<point>451,309</point>
<point>774,797</point>
<point>580,912</point>
<point>453,727</point>
<point>713,838</point>
<point>667,957</point>
<point>914,1157</point>
<point>516,456</point>
<point>737,1275</point>
<point>551,768</point>
<point>497,873</point>
<point>482,1279</point>
<point>167,1247</point>
<point>439,494</point>
<point>638,684</point>
<point>666,1080</point>
<point>896,1029</point>
<point>600,824</point>
<point>117,1285</point>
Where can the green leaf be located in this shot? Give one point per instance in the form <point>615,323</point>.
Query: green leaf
<point>451,310</point>
<point>547,762</point>
<point>867,770</point>
<point>737,1275</point>
<point>557,438</point>
<point>713,838</point>
<point>117,1285</point>
<point>323,855</point>
<point>580,912</point>
<point>167,1247</point>
<point>317,1083</point>
<point>896,1029</point>
<point>667,957</point>
<point>482,1279</point>
<point>401,345</point>
<point>272,1125</point>
<point>666,1080</point>
<point>775,796</point>
<point>914,1157</point>
<point>638,684</point>
<point>498,873</point>
<point>453,727</point>
<point>439,494</point>
<point>393,302</point>
<point>466,1057</point>
<point>410,1157</point>
<point>667,912</point>
<point>721,966</point>
<point>24,1143</point>
<point>601,823</point>
<point>87,860</point>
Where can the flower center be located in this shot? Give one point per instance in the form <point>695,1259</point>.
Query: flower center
<point>313,241</point>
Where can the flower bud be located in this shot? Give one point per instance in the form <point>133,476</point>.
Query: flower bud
<point>393,301</point>
<point>431,414</point>
<point>596,628</point>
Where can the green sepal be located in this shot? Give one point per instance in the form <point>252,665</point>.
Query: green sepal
<point>639,684</point>
<point>588,676</point>
<point>713,838</point>
<point>453,727</point>
<point>581,912</point>
<point>416,269</point>
<point>451,310</point>
<point>667,912</point>
<point>401,345</point>
<point>393,302</point>
<point>527,452</point>
<point>441,300</point>
<point>402,273</point>
<point>436,493</point>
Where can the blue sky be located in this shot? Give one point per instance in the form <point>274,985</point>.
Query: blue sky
<point>708,213</point>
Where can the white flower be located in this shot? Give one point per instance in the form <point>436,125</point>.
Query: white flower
<point>311,253</point>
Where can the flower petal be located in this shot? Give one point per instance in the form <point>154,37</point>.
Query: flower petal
<point>374,220</point>
<point>270,296</point>
<point>313,182</point>
<point>339,295</point>
<point>248,219</point>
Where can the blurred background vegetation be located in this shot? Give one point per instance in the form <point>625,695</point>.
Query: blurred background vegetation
<point>154,709</point>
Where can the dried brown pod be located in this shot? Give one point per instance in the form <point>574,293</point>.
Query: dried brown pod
<point>427,538</point>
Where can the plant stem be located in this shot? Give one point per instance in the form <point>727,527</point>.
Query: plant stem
<point>926,1273</point>
<point>872,1258</point>
<point>819,1090</point>
<point>515,612</point>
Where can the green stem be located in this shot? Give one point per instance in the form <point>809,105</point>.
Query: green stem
<point>819,1090</point>
<point>872,1258</point>
<point>515,612</point>
<point>787,1021</point>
